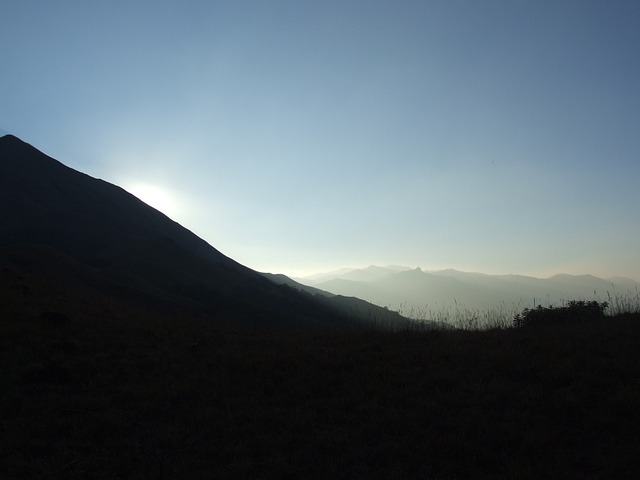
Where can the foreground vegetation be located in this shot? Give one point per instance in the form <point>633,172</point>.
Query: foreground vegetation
<point>505,315</point>
<point>176,400</point>
<point>99,391</point>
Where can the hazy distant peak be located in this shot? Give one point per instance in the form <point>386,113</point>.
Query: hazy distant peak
<point>620,279</point>
<point>412,272</point>
<point>374,269</point>
<point>563,276</point>
<point>370,273</point>
<point>395,268</point>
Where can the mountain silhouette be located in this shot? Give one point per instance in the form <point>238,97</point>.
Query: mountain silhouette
<point>87,234</point>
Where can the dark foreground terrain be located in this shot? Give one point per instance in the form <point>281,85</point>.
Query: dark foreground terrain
<point>92,390</point>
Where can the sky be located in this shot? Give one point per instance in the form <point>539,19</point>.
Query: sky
<point>497,136</point>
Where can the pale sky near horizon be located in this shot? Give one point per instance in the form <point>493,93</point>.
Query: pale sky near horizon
<point>304,136</point>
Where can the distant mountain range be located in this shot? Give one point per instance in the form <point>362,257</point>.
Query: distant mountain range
<point>414,291</point>
<point>92,242</point>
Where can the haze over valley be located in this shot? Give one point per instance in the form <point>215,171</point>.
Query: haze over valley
<point>425,294</point>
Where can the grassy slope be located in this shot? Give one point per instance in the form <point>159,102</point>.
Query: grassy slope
<point>103,391</point>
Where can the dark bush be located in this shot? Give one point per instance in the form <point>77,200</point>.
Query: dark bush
<point>574,311</point>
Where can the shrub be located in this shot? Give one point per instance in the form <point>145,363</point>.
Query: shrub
<point>574,311</point>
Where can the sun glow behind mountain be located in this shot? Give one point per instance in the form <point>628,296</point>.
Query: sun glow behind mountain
<point>155,196</point>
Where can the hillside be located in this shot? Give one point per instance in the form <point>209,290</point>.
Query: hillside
<point>81,233</point>
<point>352,306</point>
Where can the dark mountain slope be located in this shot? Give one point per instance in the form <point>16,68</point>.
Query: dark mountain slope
<point>353,307</point>
<point>44,200</point>
<point>119,243</point>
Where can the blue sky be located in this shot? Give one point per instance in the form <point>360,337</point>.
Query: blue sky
<point>302,136</point>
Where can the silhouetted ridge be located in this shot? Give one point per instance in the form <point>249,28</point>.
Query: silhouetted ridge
<point>102,232</point>
<point>60,200</point>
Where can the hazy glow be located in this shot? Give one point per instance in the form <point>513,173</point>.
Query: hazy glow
<point>494,136</point>
<point>156,197</point>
